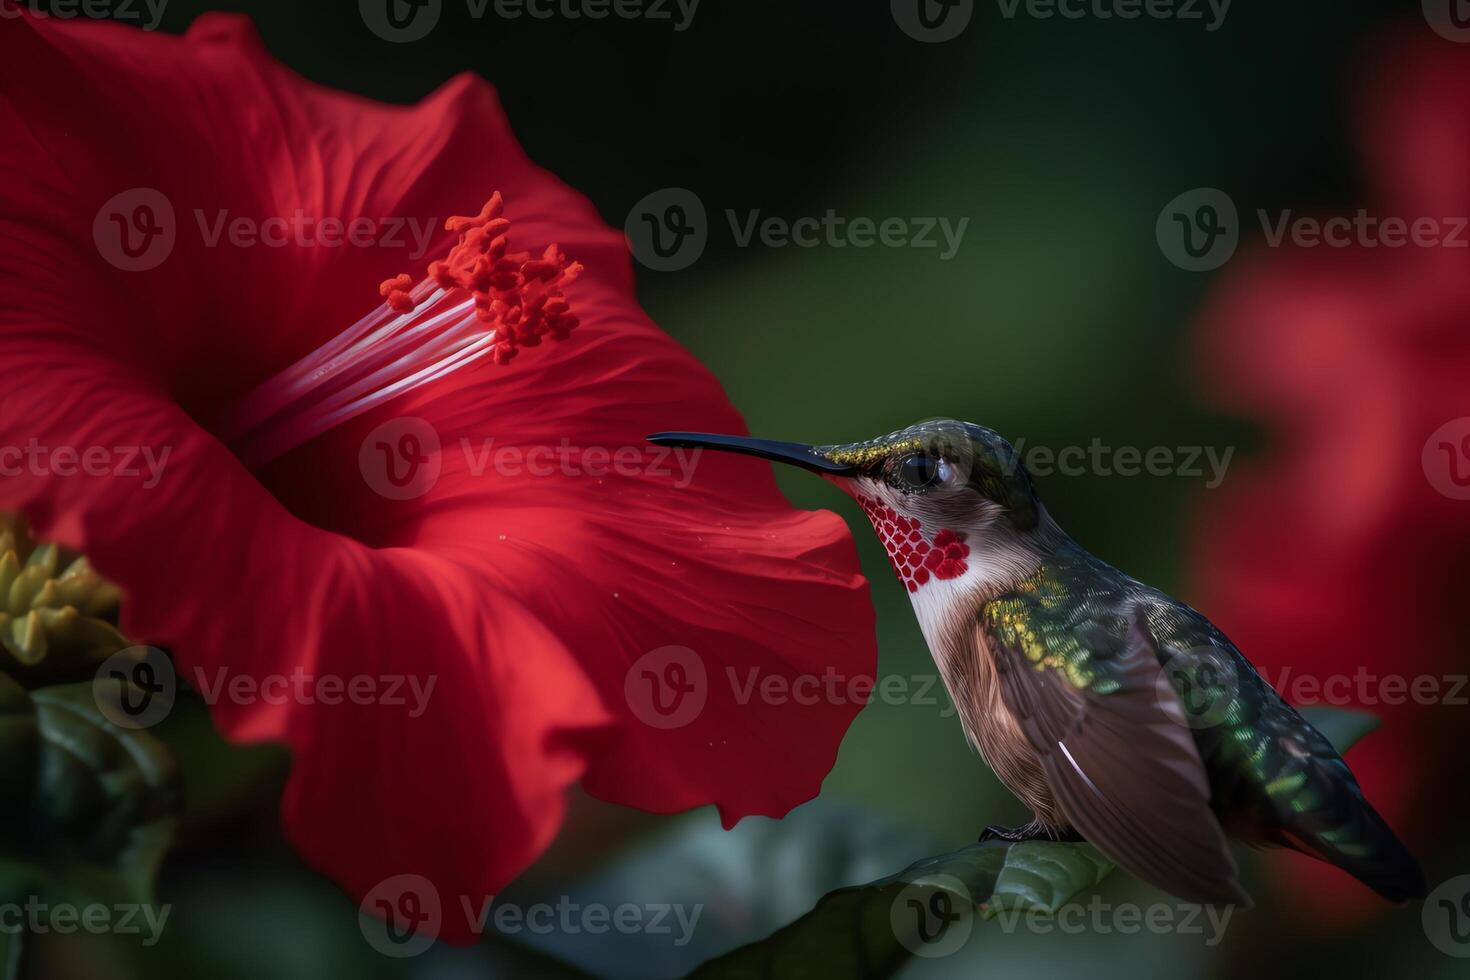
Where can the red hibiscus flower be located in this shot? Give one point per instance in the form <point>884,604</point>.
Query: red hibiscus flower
<point>1338,560</point>
<point>544,594</point>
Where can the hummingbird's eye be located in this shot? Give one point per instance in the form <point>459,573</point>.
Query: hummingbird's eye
<point>920,471</point>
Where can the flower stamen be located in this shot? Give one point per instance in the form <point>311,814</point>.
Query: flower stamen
<point>480,301</point>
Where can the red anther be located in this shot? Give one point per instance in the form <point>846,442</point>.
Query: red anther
<point>488,213</point>
<point>540,269</point>
<point>515,294</point>
<point>398,292</point>
<point>480,278</point>
<point>399,283</point>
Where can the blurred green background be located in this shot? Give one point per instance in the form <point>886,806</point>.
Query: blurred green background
<point>1059,320</point>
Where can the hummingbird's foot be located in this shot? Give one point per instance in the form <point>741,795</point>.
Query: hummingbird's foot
<point>1029,832</point>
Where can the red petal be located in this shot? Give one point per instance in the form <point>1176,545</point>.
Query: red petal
<point>530,599</point>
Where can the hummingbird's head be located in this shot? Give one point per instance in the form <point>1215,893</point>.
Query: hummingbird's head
<point>951,501</point>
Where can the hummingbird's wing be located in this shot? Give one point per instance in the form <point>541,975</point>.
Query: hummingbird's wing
<point>1087,692</point>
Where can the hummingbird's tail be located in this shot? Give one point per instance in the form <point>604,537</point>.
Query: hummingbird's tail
<point>1320,810</point>
<point>1280,781</point>
<point>1354,837</point>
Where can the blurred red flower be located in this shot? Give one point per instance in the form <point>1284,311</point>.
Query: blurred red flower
<point>527,593</point>
<point>1341,557</point>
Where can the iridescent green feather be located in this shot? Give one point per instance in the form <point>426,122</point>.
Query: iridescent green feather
<point>1273,777</point>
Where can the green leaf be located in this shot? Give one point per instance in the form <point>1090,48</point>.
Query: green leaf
<point>929,908</point>
<point>871,930</point>
<point>1342,726</point>
<point>1042,876</point>
<point>87,808</point>
<point>740,883</point>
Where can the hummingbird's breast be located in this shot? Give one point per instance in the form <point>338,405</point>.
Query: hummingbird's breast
<point>968,669</point>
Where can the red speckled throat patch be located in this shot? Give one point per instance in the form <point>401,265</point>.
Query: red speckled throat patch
<point>916,560</point>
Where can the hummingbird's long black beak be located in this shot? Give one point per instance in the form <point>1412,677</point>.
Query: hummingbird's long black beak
<point>794,453</point>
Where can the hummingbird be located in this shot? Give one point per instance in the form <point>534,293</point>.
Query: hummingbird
<point>1119,715</point>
